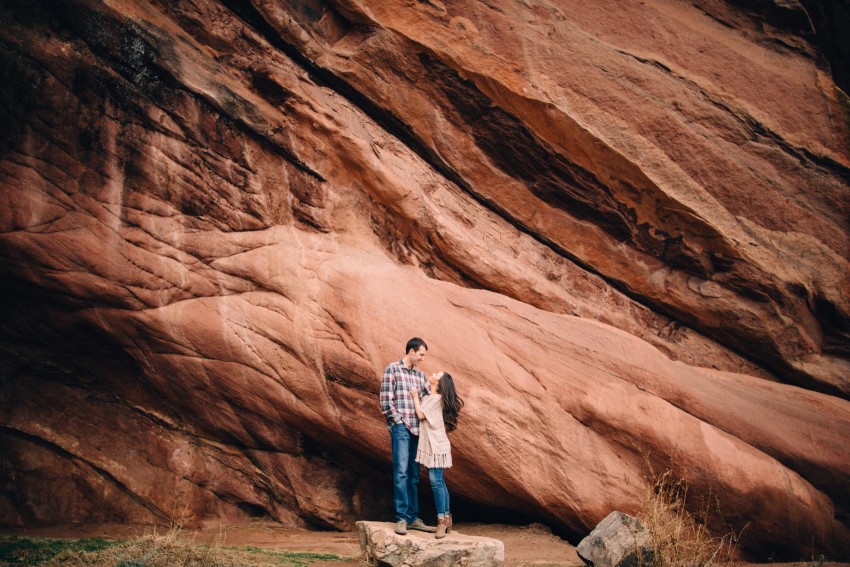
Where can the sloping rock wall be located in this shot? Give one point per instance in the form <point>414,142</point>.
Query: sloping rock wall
<point>622,227</point>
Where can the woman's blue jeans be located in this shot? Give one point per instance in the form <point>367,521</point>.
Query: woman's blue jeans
<point>441,491</point>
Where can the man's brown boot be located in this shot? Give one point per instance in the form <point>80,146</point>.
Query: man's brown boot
<point>448,523</point>
<point>441,528</point>
<point>418,524</point>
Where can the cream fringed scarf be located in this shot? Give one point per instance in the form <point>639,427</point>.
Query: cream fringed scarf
<point>435,450</point>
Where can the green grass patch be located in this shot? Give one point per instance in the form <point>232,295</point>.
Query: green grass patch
<point>16,550</point>
<point>165,550</point>
<point>294,555</point>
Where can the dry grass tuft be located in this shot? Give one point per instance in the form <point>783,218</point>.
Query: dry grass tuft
<point>679,538</point>
<point>175,549</point>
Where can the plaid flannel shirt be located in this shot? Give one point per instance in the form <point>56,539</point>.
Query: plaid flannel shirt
<point>396,402</point>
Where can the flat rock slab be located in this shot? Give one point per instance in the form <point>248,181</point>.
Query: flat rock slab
<point>381,546</point>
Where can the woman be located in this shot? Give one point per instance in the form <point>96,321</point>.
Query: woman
<point>438,412</point>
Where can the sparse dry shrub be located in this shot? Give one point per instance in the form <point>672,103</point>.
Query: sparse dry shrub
<point>678,537</point>
<point>153,550</point>
<point>176,549</point>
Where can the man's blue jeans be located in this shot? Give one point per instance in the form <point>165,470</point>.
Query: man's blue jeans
<point>405,473</point>
<point>441,491</point>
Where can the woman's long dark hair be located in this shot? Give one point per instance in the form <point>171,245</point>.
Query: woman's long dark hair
<point>452,404</point>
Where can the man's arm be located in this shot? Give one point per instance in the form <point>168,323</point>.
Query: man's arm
<point>388,398</point>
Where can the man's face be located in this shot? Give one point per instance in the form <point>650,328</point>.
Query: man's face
<point>418,355</point>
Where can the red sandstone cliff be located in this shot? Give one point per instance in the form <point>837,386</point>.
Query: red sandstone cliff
<point>622,227</point>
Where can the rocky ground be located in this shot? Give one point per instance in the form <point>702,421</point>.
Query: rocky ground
<point>524,545</point>
<point>533,545</point>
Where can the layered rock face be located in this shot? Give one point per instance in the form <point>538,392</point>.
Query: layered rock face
<point>623,227</point>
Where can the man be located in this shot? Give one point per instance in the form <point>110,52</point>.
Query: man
<point>400,412</point>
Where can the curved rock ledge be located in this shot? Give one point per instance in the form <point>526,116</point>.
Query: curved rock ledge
<point>624,229</point>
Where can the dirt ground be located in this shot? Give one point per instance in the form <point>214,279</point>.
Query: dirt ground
<point>525,546</point>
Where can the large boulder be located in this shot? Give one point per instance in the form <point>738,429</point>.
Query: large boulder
<point>622,229</point>
<point>381,546</point>
<point>619,540</point>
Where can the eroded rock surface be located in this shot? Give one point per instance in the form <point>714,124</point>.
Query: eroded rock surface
<point>623,228</point>
<point>619,540</point>
<point>380,545</point>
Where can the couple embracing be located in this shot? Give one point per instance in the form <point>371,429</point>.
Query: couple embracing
<point>419,412</point>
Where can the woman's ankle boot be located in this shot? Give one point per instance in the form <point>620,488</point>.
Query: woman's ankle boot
<point>448,523</point>
<point>441,528</point>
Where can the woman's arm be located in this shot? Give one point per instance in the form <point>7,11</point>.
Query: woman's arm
<point>414,393</point>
